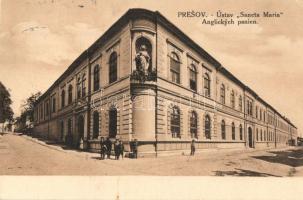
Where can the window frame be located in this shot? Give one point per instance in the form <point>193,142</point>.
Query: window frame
<point>193,124</point>
<point>232,99</point>
<point>175,122</point>
<point>96,78</point>
<point>113,67</point>
<point>223,130</point>
<point>222,93</point>
<point>193,75</point>
<point>207,86</point>
<point>207,127</point>
<point>63,98</point>
<point>233,131</point>
<point>174,59</point>
<point>70,95</point>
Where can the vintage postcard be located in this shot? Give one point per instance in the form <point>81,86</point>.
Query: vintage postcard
<point>172,99</point>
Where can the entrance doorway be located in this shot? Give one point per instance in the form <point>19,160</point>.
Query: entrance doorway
<point>80,128</point>
<point>113,123</point>
<point>250,138</point>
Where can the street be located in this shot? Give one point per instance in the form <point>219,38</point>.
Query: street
<point>21,155</point>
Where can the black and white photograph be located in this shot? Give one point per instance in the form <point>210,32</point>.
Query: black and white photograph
<point>135,97</point>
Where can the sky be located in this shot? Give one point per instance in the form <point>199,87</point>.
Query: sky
<point>39,39</point>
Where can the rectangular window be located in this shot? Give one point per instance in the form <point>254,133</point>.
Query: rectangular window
<point>54,105</point>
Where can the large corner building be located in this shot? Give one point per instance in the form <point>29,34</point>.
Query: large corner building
<point>145,79</point>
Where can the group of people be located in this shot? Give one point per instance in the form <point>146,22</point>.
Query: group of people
<point>106,148</point>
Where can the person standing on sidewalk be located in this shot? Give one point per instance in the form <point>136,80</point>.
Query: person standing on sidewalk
<point>108,147</point>
<point>135,148</point>
<point>117,150</point>
<point>121,149</point>
<point>102,148</point>
<point>192,148</point>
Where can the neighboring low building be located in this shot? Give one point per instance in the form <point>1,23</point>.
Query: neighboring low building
<point>145,79</point>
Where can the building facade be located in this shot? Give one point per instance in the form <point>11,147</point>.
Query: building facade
<point>145,79</point>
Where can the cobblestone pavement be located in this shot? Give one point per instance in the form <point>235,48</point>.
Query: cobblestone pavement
<point>22,155</point>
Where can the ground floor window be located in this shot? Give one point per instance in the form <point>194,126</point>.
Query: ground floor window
<point>223,130</point>
<point>233,131</point>
<point>207,127</point>
<point>193,124</point>
<point>175,122</point>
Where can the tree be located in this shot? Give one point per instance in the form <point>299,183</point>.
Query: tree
<point>6,112</point>
<point>28,107</point>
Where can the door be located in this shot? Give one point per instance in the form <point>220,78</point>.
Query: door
<point>250,138</point>
<point>112,123</point>
<point>80,128</point>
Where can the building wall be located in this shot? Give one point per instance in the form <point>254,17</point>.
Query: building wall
<point>144,109</point>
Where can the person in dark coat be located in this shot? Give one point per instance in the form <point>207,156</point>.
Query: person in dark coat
<point>192,148</point>
<point>135,148</point>
<point>121,149</point>
<point>108,147</point>
<point>117,150</point>
<point>102,148</point>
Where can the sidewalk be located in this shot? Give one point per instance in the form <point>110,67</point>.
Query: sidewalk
<point>211,151</point>
<point>61,147</point>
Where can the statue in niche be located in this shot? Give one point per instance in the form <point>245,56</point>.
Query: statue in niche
<point>143,60</point>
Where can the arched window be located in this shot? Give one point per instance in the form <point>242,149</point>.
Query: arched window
<point>175,122</point>
<point>223,134</point>
<point>113,67</point>
<point>261,135</point>
<point>112,123</point>
<point>206,85</point>
<point>79,87</point>
<point>70,94</point>
<point>257,112</point>
<point>95,125</point>
<point>233,131</point>
<point>241,132</point>
<point>96,78</point>
<point>240,103</point>
<point>62,98</point>
<point>193,124</point>
<point>193,77</point>
<point>232,99</point>
<point>222,94</point>
<point>175,67</point>
<point>207,127</point>
<point>83,85</point>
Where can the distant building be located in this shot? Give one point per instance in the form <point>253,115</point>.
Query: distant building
<point>145,79</point>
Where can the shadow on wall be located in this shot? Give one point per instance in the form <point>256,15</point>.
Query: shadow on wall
<point>292,158</point>
<point>243,172</point>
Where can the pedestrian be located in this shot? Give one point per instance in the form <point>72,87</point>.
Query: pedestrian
<point>135,148</point>
<point>102,148</point>
<point>117,150</point>
<point>121,149</point>
<point>108,147</point>
<point>192,148</point>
